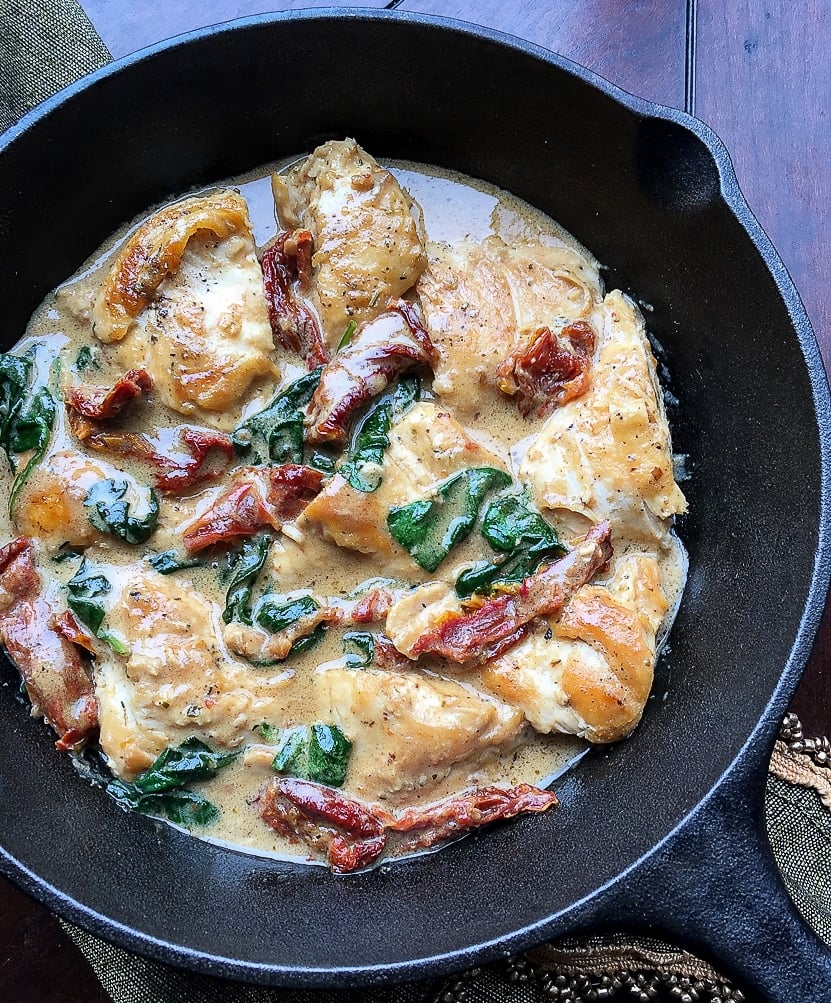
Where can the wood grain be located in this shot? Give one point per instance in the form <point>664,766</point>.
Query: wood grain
<point>38,962</point>
<point>640,45</point>
<point>127,26</point>
<point>763,83</point>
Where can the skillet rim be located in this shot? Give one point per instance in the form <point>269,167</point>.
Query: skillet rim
<point>758,744</point>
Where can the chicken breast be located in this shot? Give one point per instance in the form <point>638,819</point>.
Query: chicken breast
<point>590,672</point>
<point>184,300</point>
<point>409,729</point>
<point>176,680</point>
<point>607,454</point>
<point>426,447</point>
<point>51,504</point>
<point>368,233</point>
<point>483,301</point>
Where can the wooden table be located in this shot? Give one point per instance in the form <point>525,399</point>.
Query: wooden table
<point>757,72</point>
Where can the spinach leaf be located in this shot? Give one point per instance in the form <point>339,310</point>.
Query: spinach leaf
<point>321,461</point>
<point>87,358</point>
<point>429,529</point>
<point>159,790</point>
<point>358,648</point>
<point>169,561</point>
<point>292,753</point>
<point>319,753</point>
<point>268,733</point>
<point>305,643</point>
<point>247,564</point>
<point>26,419</point>
<point>183,764</point>
<point>14,382</point>
<point>84,591</point>
<point>35,421</point>
<point>275,434</point>
<point>511,526</point>
<point>362,468</point>
<point>510,522</point>
<point>66,553</point>
<point>109,511</point>
<point>329,751</point>
<point>275,616</point>
<point>484,576</point>
<point>183,807</point>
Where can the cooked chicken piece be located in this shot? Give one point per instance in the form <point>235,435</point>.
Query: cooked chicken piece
<point>408,729</point>
<point>590,673</point>
<point>368,233</point>
<point>302,558</point>
<point>607,454</point>
<point>51,504</point>
<point>184,300</point>
<point>480,635</point>
<point>263,648</point>
<point>426,447</point>
<point>418,612</point>
<point>175,682</point>
<point>483,302</point>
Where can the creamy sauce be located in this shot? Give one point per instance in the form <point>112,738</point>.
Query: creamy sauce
<point>302,560</point>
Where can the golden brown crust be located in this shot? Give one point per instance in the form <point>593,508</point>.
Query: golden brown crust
<point>154,251</point>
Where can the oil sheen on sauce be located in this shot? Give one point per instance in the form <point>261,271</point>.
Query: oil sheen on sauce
<point>454,208</point>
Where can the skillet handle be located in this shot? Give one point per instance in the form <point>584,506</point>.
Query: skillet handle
<point>716,887</point>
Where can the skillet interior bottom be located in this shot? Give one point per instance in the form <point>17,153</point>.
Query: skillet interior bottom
<point>645,193</point>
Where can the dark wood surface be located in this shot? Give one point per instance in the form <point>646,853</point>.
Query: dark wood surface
<point>756,71</point>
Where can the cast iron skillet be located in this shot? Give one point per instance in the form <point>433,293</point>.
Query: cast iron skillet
<point>662,833</point>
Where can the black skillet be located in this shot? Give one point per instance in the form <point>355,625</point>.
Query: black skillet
<point>662,833</point>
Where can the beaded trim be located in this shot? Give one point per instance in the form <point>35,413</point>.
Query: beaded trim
<point>642,970</point>
<point>802,761</point>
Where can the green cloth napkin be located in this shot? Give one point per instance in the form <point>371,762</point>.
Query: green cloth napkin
<point>44,45</point>
<point>47,44</point>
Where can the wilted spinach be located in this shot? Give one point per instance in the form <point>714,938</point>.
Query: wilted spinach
<point>430,528</point>
<point>321,461</point>
<point>87,358</point>
<point>85,589</point>
<point>358,649</point>
<point>84,592</point>
<point>511,523</point>
<point>169,561</point>
<point>274,615</point>
<point>275,434</point>
<point>159,790</point>
<point>26,417</point>
<point>110,512</point>
<point>362,468</point>
<point>513,528</point>
<point>247,563</point>
<point>319,753</point>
